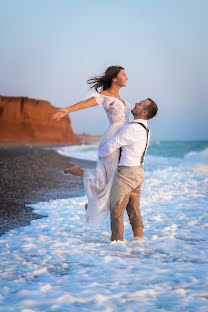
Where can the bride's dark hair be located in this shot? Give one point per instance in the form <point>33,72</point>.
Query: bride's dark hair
<point>104,81</point>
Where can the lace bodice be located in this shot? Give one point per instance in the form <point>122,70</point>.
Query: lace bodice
<point>116,110</point>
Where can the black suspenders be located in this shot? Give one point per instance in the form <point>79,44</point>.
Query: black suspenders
<point>147,131</point>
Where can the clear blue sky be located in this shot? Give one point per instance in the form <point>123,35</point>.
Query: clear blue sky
<point>49,48</point>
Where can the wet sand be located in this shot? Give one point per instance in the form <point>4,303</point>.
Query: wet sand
<point>30,174</point>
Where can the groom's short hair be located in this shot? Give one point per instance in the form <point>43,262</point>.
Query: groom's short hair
<point>151,109</point>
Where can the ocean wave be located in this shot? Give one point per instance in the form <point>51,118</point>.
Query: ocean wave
<point>82,151</point>
<point>190,160</point>
<point>153,160</point>
<point>176,149</point>
<point>202,154</point>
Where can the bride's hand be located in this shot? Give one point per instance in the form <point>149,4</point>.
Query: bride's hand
<point>61,113</point>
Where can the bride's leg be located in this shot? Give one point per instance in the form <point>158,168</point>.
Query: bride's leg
<point>75,170</point>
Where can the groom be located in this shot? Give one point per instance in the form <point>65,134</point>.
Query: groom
<point>133,139</point>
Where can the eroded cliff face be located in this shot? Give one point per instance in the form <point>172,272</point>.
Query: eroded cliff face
<point>25,120</point>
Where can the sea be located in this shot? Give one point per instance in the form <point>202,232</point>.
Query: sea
<point>60,264</point>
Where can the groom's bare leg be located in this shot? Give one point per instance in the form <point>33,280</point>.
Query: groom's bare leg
<point>75,170</point>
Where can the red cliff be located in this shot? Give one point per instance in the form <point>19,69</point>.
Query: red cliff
<point>24,120</point>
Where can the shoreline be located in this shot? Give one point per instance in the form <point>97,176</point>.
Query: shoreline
<point>83,139</point>
<point>30,174</point>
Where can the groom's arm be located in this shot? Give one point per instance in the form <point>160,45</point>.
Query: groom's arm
<point>126,136</point>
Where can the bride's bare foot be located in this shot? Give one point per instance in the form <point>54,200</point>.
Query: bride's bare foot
<point>75,170</point>
<point>86,207</point>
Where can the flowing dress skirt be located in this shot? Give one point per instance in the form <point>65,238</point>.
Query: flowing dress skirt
<point>98,182</point>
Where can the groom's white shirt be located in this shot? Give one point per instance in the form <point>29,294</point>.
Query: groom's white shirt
<point>132,138</point>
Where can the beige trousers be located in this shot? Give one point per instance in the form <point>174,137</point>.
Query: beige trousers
<point>125,194</point>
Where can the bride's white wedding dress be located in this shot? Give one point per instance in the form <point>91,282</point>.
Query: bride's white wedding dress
<point>98,182</point>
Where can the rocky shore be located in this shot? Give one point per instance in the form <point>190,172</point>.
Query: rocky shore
<point>30,174</point>
<point>29,121</point>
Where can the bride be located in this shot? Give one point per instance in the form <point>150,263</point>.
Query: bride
<point>98,182</point>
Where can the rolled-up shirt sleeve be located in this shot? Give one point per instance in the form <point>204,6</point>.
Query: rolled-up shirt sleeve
<point>126,136</point>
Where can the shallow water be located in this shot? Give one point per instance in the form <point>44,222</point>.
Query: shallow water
<point>59,264</point>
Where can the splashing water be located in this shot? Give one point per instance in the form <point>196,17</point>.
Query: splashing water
<point>59,264</point>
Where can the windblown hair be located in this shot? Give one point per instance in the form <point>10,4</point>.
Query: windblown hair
<point>104,82</point>
<point>152,109</point>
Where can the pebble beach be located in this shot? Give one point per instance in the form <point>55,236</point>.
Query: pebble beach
<point>29,174</point>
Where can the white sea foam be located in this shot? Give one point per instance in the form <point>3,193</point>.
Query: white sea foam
<point>59,264</point>
<point>82,151</point>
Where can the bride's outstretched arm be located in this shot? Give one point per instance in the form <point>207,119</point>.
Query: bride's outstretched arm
<point>73,108</point>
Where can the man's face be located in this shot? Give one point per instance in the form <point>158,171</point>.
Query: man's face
<point>139,108</point>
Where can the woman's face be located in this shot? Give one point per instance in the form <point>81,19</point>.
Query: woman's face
<point>121,79</point>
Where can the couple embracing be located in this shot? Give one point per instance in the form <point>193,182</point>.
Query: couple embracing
<point>115,184</point>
